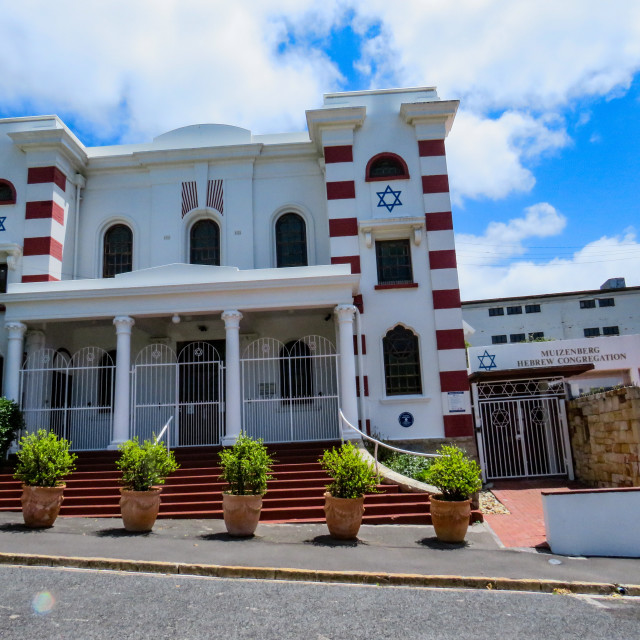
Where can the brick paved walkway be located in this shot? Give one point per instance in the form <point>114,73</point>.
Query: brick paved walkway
<point>524,526</point>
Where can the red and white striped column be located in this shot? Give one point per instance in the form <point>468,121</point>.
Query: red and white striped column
<point>452,363</point>
<point>45,219</point>
<point>341,194</point>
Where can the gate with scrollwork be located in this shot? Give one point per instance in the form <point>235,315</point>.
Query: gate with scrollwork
<point>290,391</point>
<point>523,428</point>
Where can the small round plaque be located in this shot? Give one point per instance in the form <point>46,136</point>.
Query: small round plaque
<point>405,419</point>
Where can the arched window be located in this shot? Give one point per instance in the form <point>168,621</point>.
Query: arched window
<point>401,362</point>
<point>204,243</point>
<point>291,241</point>
<point>296,374</point>
<point>118,251</point>
<point>386,166</point>
<point>7,192</point>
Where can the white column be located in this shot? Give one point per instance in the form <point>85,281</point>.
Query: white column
<point>233,400</point>
<point>348,393</point>
<point>121,410</point>
<point>15,332</point>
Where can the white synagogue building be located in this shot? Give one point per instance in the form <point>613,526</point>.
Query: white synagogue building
<point>233,281</point>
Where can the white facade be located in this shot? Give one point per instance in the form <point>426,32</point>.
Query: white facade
<point>371,170</point>
<point>561,316</point>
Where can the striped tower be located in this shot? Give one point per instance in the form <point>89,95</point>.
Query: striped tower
<point>46,213</point>
<point>432,123</point>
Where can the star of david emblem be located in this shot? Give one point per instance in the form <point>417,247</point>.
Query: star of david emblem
<point>91,357</point>
<point>312,346</point>
<point>155,354</point>
<point>382,198</point>
<point>2,223</point>
<point>491,361</point>
<point>265,348</point>
<point>198,352</point>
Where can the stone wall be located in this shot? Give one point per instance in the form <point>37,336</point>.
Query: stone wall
<point>605,438</point>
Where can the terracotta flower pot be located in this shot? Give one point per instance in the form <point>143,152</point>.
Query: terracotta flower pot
<point>241,513</point>
<point>344,516</point>
<point>450,519</point>
<point>41,505</point>
<point>139,509</point>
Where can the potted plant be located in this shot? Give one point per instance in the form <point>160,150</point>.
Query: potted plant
<point>43,461</point>
<point>11,422</point>
<point>246,468</point>
<point>344,500</point>
<point>457,477</point>
<point>144,467</point>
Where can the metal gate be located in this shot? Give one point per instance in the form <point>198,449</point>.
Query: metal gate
<point>188,387</point>
<point>290,391</point>
<point>523,428</point>
<point>71,396</point>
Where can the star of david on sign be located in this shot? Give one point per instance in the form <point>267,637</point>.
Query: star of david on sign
<point>491,364</point>
<point>382,198</point>
<point>2,223</point>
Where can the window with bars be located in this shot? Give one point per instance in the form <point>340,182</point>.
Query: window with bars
<point>496,311</point>
<point>291,241</point>
<point>514,311</point>
<point>587,304</point>
<point>536,335</point>
<point>592,332</point>
<point>117,251</point>
<point>532,308</point>
<point>387,166</point>
<point>393,258</point>
<point>610,331</point>
<point>606,302</point>
<point>502,339</point>
<point>401,362</point>
<point>204,243</point>
<point>7,192</point>
<point>517,337</point>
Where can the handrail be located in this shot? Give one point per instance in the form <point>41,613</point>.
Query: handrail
<point>166,426</point>
<point>384,444</point>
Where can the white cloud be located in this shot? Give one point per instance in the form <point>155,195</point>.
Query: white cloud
<point>586,268</point>
<point>486,156</point>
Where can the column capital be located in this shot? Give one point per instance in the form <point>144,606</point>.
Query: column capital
<point>15,329</point>
<point>345,312</point>
<point>231,319</point>
<point>123,324</point>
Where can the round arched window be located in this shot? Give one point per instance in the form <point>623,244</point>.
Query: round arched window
<point>204,243</point>
<point>117,251</point>
<point>291,241</point>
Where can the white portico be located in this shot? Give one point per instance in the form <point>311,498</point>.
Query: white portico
<point>256,346</point>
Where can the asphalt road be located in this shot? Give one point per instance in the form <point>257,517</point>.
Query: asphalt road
<point>49,603</point>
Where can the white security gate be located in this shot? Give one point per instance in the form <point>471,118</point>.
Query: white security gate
<point>188,387</point>
<point>71,396</point>
<point>290,392</point>
<point>523,427</point>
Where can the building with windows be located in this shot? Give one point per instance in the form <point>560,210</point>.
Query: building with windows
<point>612,310</point>
<point>231,281</point>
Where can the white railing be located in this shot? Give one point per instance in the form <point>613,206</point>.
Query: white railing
<point>344,422</point>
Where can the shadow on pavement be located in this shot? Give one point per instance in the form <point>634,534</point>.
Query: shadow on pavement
<point>121,532</point>
<point>434,543</point>
<point>223,536</point>
<point>19,527</point>
<point>328,541</point>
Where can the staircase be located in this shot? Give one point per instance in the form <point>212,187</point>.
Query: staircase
<point>296,494</point>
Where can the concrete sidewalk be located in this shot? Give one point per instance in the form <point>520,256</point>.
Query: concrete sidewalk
<point>388,551</point>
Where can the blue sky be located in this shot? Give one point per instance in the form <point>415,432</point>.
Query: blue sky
<point>543,157</point>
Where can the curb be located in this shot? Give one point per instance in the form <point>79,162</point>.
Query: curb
<point>311,575</point>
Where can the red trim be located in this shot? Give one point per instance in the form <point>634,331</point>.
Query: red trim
<point>439,221</point>
<point>454,380</point>
<point>367,428</point>
<point>39,175</point>
<point>435,184</point>
<point>358,302</point>
<point>366,385</point>
<point>44,209</point>
<point>44,246</point>
<point>408,285</point>
<point>354,261</point>
<point>40,278</point>
<point>446,299</point>
<point>458,426</point>
<point>450,339</point>
<point>343,227</point>
<point>339,153</point>
<point>427,148</point>
<point>341,190</point>
<point>445,259</point>
<point>355,345</point>
<point>12,200</point>
<point>393,156</point>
